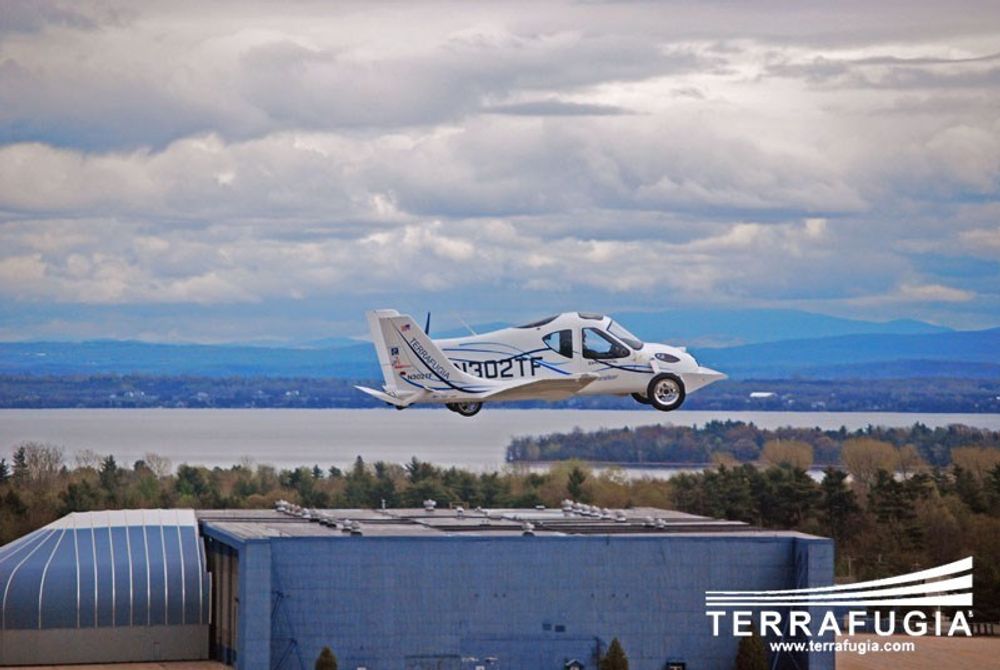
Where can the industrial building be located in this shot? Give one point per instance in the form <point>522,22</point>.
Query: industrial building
<point>407,589</point>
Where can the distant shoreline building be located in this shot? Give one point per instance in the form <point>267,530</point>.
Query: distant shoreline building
<point>416,589</point>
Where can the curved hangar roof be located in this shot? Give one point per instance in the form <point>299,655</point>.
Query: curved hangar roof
<point>109,568</point>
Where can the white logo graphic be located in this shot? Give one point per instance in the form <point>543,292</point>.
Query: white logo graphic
<point>944,589</point>
<point>944,586</point>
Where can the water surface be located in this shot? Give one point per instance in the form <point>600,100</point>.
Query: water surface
<point>291,437</point>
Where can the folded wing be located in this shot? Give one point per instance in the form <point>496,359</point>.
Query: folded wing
<point>540,389</point>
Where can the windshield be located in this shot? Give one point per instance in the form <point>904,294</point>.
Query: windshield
<point>625,336</point>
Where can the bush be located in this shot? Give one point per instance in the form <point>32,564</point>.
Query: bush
<point>615,659</point>
<point>326,660</point>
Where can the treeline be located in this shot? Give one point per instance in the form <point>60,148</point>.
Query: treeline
<point>882,524</point>
<point>37,486</point>
<point>133,391</point>
<point>139,391</point>
<point>744,442</point>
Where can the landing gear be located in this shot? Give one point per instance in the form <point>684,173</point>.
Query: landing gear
<point>641,399</point>
<point>665,392</point>
<point>465,408</point>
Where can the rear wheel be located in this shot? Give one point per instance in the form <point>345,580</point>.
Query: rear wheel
<point>465,408</point>
<point>640,398</point>
<point>665,392</point>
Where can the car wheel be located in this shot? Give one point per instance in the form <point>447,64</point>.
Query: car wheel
<point>665,392</point>
<point>465,408</point>
<point>640,398</point>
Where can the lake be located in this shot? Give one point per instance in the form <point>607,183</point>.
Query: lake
<point>290,437</point>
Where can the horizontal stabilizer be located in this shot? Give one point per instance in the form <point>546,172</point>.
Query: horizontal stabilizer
<point>541,389</point>
<point>404,401</point>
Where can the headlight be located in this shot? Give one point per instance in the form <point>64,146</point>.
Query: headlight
<point>667,358</point>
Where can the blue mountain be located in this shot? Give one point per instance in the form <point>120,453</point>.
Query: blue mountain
<point>960,353</point>
<point>720,328</point>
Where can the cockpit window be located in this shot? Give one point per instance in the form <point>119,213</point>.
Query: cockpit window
<point>622,334</point>
<point>599,345</point>
<point>540,322</point>
<point>561,342</point>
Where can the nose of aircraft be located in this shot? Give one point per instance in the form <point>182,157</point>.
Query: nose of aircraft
<point>701,377</point>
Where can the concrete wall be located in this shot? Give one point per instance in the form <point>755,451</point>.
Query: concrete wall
<point>530,602</point>
<point>103,645</point>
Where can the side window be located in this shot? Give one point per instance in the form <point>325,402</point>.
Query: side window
<point>561,342</point>
<point>599,346</point>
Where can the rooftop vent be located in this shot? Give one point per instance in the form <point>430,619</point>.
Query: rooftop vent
<point>429,505</point>
<point>355,528</point>
<point>528,529</point>
<point>620,517</point>
<point>459,511</point>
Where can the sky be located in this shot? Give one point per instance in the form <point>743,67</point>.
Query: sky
<point>250,171</point>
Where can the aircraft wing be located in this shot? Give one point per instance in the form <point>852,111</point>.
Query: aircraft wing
<point>541,389</point>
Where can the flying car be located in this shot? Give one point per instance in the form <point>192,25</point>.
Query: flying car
<point>574,353</point>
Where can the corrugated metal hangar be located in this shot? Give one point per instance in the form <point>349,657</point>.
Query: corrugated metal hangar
<point>409,589</point>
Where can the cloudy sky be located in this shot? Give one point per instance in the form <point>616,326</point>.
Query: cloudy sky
<point>245,171</point>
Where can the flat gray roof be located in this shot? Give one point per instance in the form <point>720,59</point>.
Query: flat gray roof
<point>292,521</point>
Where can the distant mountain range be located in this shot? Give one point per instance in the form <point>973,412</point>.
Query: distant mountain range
<point>703,327</point>
<point>952,354</point>
<point>726,328</point>
<point>813,346</point>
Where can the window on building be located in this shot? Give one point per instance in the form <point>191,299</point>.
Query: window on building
<point>561,342</point>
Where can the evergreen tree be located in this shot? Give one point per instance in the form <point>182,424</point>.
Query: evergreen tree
<point>20,464</point>
<point>4,470</point>
<point>838,505</point>
<point>326,660</point>
<point>575,484</point>
<point>109,474</point>
<point>615,658</point>
<point>80,497</point>
<point>969,489</point>
<point>751,654</point>
<point>12,504</point>
<point>360,483</point>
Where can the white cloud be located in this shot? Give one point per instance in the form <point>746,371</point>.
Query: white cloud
<point>237,153</point>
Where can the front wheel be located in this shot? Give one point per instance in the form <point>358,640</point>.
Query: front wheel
<point>640,398</point>
<point>465,408</point>
<point>665,392</point>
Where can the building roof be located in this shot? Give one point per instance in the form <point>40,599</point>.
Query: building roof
<point>288,521</point>
<point>107,568</point>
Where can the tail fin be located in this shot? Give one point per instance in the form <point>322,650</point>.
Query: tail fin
<point>410,360</point>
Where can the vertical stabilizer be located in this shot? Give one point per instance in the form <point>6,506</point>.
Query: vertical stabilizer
<point>411,362</point>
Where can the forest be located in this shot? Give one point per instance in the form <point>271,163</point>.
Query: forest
<point>887,510</point>
<point>938,394</point>
<point>738,441</point>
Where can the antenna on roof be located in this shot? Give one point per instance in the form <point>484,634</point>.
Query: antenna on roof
<point>427,326</point>
<point>465,324</point>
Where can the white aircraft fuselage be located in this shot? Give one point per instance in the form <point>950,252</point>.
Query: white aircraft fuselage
<point>569,354</point>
